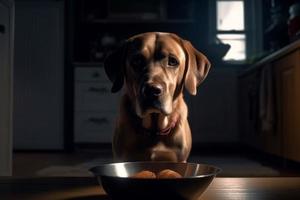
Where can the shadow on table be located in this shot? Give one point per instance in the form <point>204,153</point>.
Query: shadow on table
<point>90,197</point>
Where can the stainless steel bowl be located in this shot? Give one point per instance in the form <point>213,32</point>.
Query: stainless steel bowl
<point>116,180</point>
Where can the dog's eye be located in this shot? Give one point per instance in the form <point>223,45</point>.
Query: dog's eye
<point>172,61</point>
<point>137,61</point>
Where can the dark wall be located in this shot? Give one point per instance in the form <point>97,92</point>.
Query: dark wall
<point>95,19</point>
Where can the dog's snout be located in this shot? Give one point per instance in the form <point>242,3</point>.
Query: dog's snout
<point>152,90</point>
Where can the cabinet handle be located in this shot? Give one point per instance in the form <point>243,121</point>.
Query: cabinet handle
<point>96,120</point>
<point>2,28</point>
<point>101,90</point>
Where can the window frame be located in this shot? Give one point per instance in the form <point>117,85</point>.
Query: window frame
<point>252,28</point>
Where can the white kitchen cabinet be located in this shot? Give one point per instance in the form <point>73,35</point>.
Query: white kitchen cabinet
<point>6,69</point>
<point>96,108</point>
<point>39,75</point>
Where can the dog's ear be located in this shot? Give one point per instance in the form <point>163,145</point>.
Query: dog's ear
<point>197,66</point>
<point>114,66</point>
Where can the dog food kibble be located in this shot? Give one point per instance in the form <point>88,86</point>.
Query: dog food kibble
<point>144,174</point>
<point>167,173</point>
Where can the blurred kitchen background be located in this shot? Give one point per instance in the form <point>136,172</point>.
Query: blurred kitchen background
<point>245,117</point>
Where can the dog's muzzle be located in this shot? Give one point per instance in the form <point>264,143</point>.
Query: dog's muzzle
<point>151,91</point>
<point>150,98</point>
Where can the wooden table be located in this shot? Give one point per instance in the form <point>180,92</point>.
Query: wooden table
<point>87,189</point>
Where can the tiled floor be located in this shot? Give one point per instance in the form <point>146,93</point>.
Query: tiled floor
<point>77,164</point>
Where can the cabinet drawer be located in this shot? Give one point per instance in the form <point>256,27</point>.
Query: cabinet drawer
<point>95,97</point>
<point>91,74</point>
<point>94,127</point>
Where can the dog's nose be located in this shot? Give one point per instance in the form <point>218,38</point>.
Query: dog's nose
<point>152,90</point>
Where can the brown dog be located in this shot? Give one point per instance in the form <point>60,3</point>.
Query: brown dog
<point>154,68</point>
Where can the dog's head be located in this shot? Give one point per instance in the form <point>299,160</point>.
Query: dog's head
<point>154,67</point>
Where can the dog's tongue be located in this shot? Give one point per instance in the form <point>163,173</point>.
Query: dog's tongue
<point>167,130</point>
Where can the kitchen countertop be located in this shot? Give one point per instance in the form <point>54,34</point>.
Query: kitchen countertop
<point>272,57</point>
<point>87,188</point>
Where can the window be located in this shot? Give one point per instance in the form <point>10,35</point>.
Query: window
<point>230,28</point>
<point>237,23</point>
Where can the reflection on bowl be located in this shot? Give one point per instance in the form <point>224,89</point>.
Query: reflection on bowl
<point>117,180</point>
